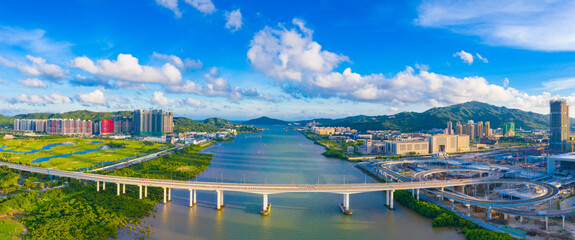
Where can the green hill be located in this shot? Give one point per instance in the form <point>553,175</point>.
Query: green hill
<point>80,114</point>
<point>218,122</point>
<point>6,121</point>
<point>184,124</point>
<point>438,117</point>
<point>265,121</point>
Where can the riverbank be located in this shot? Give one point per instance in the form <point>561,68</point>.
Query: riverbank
<point>329,151</point>
<point>72,153</point>
<point>78,211</point>
<point>183,164</point>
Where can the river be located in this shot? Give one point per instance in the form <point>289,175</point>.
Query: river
<point>278,156</point>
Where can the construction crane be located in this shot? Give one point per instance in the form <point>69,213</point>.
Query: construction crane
<point>543,152</point>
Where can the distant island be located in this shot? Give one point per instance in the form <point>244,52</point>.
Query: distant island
<point>265,121</point>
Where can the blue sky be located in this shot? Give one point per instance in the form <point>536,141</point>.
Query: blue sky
<point>286,59</point>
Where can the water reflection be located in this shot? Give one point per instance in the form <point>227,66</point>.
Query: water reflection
<point>283,157</point>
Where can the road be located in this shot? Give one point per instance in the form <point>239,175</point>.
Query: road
<point>251,188</point>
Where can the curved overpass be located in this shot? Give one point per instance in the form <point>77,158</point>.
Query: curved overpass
<point>422,176</point>
<point>502,206</point>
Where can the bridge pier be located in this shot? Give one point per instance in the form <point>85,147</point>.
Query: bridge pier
<point>345,206</point>
<point>468,209</point>
<point>192,197</point>
<point>441,196</point>
<point>391,200</point>
<point>103,185</point>
<point>124,188</point>
<point>452,203</point>
<point>546,223</point>
<point>169,194</point>
<point>97,186</point>
<point>146,191</point>
<point>418,194</point>
<point>387,198</point>
<point>521,219</point>
<point>475,190</point>
<point>220,199</point>
<point>266,207</point>
<point>550,203</point>
<point>118,188</point>
<point>140,191</point>
<point>563,218</point>
<point>165,195</point>
<point>488,213</point>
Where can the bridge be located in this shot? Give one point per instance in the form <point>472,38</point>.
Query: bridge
<point>262,189</point>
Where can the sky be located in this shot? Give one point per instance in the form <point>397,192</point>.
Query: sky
<point>291,60</point>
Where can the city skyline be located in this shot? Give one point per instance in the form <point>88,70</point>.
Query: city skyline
<point>242,60</point>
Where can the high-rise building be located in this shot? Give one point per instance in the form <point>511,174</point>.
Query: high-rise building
<point>479,129</point>
<point>487,129</point>
<point>559,140</point>
<point>458,128</point>
<point>69,127</point>
<point>509,129</point>
<point>470,129</point>
<point>123,124</point>
<point>153,122</point>
<point>106,127</point>
<point>449,130</point>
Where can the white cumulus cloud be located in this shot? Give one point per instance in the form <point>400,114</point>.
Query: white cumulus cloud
<point>95,97</point>
<point>290,54</point>
<point>190,102</point>
<point>481,58</point>
<point>127,68</point>
<point>182,65</point>
<point>172,5</point>
<point>32,82</point>
<point>204,6</point>
<point>233,20</point>
<point>465,56</point>
<point>160,99</point>
<point>37,68</point>
<point>54,98</point>
<point>535,25</point>
<point>303,69</point>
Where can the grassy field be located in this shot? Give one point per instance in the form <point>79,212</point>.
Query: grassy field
<point>10,229</point>
<point>72,162</point>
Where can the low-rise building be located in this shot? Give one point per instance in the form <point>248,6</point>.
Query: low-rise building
<point>413,146</point>
<point>448,143</point>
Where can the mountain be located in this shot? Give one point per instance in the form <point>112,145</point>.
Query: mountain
<point>218,122</point>
<point>438,118</point>
<point>265,121</point>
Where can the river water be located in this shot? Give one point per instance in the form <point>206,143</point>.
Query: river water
<point>278,156</point>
